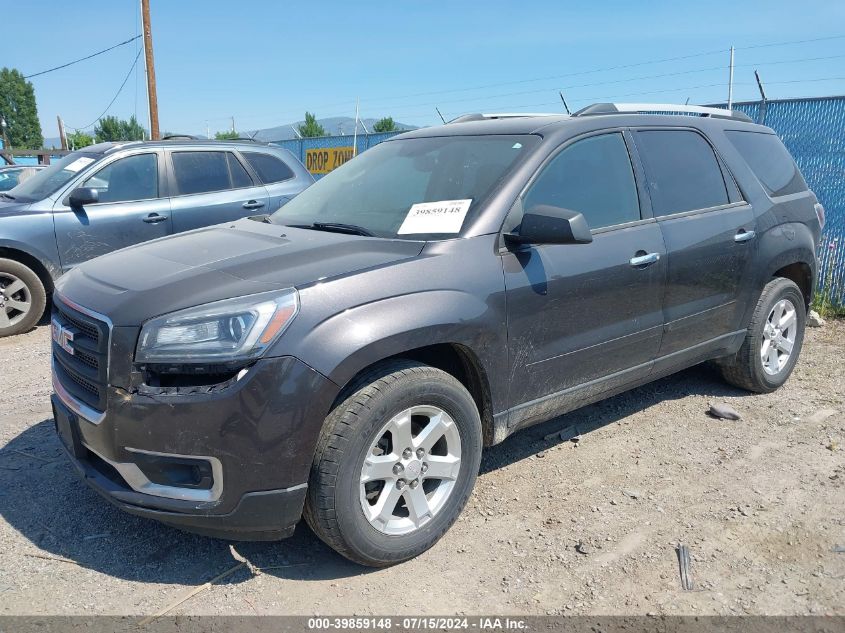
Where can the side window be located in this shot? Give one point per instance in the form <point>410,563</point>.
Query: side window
<point>593,177</point>
<point>202,172</point>
<point>130,178</point>
<point>269,168</point>
<point>769,160</point>
<point>239,176</point>
<point>682,170</point>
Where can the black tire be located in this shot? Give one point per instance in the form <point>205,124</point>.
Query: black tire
<point>15,321</point>
<point>333,507</point>
<point>745,368</point>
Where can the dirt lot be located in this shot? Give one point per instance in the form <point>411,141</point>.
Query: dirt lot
<point>760,503</point>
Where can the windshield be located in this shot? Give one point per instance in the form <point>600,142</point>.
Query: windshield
<point>48,181</point>
<point>383,190</point>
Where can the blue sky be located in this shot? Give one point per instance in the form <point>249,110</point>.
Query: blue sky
<point>266,62</point>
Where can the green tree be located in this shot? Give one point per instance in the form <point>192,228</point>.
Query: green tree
<point>386,124</point>
<point>110,128</point>
<point>311,128</point>
<point>79,139</point>
<point>17,107</point>
<point>228,135</point>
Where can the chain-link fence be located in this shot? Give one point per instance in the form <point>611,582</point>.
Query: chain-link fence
<point>814,132</point>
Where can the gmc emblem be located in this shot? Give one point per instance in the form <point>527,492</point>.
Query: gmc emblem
<point>63,336</point>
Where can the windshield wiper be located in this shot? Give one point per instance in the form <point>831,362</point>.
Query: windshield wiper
<point>336,227</point>
<point>6,195</point>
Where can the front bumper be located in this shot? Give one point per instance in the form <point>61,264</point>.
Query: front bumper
<point>254,440</point>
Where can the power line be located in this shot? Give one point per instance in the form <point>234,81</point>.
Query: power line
<point>105,50</point>
<point>117,94</point>
<point>815,39</point>
<point>594,70</point>
<point>400,107</point>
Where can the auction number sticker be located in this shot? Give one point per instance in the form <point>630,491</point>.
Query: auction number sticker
<point>444,216</point>
<point>79,163</point>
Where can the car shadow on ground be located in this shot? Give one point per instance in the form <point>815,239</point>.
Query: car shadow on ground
<point>43,499</point>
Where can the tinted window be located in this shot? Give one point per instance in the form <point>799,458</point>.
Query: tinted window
<point>683,172</point>
<point>269,168</point>
<point>239,176</point>
<point>130,178</point>
<point>200,172</point>
<point>593,177</point>
<point>770,161</point>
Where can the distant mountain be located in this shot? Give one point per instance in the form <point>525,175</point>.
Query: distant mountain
<point>334,126</point>
<point>54,142</point>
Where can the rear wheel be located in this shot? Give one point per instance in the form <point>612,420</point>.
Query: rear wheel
<point>396,463</point>
<point>773,341</point>
<point>22,298</point>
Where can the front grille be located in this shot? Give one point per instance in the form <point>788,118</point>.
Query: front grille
<point>83,373</point>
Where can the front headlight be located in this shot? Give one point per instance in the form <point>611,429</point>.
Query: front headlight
<point>220,332</point>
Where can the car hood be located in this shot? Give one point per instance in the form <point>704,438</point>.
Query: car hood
<point>13,207</point>
<point>246,257</point>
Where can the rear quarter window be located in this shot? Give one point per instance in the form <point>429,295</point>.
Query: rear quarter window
<point>269,168</point>
<point>769,160</point>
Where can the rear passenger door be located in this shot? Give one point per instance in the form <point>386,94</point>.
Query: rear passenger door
<point>210,187</point>
<point>709,233</point>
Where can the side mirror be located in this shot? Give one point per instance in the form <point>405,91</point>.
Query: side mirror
<point>545,224</point>
<point>81,196</point>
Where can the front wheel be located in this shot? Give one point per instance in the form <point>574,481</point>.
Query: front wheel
<point>773,341</point>
<point>395,465</point>
<point>22,298</point>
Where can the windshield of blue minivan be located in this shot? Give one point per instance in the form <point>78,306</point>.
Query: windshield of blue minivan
<point>47,181</point>
<point>417,188</point>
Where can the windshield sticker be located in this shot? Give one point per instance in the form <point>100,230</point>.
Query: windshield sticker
<point>79,163</point>
<point>443,216</point>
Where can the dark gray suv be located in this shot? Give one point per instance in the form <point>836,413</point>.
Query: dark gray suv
<point>347,358</point>
<point>109,196</point>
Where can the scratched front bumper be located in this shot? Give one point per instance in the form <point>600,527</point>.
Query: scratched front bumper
<point>262,431</point>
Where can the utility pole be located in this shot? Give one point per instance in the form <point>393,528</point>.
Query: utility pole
<point>233,124</point>
<point>355,133</point>
<point>62,136</point>
<point>731,82</point>
<point>151,71</point>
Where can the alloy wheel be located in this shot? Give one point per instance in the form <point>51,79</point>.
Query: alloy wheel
<point>778,337</point>
<point>15,300</point>
<point>410,470</point>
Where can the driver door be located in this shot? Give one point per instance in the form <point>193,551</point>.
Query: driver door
<point>130,210</point>
<point>583,318</point>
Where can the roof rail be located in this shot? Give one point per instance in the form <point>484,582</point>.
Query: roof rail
<point>180,137</point>
<point>478,116</point>
<point>662,108</point>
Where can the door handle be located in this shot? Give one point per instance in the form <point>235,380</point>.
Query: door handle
<point>155,218</point>
<point>644,260</point>
<point>253,204</point>
<point>744,236</point>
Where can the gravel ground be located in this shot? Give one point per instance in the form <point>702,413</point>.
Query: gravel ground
<point>554,526</point>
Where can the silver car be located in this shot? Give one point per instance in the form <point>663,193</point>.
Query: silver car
<point>113,195</point>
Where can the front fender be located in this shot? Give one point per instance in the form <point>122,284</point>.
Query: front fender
<point>33,234</point>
